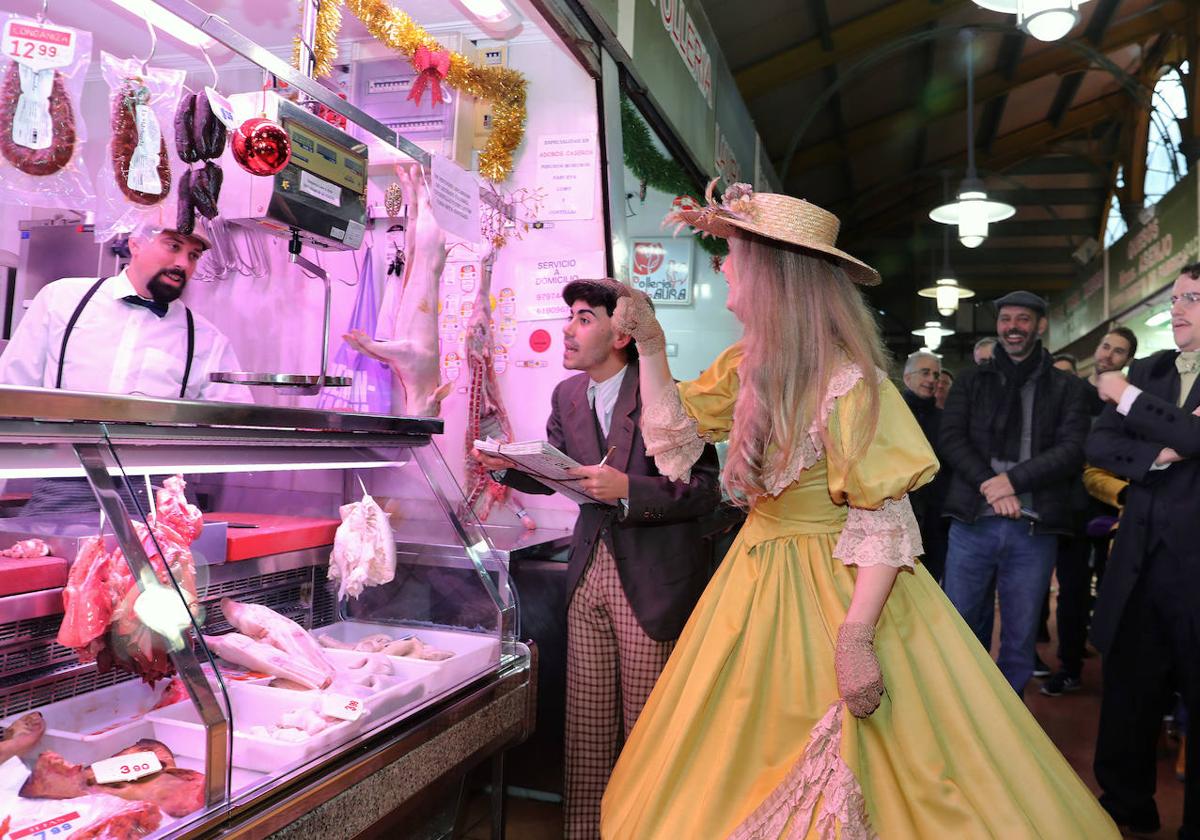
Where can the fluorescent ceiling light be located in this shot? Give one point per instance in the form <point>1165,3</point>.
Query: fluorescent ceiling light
<point>1159,318</point>
<point>168,22</point>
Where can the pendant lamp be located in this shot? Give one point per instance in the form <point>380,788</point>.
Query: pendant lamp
<point>1046,20</point>
<point>945,290</point>
<point>933,333</point>
<point>972,211</point>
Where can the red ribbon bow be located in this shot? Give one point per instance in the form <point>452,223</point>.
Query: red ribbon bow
<point>432,67</point>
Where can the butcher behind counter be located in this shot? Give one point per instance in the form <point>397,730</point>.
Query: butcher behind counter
<point>128,334</point>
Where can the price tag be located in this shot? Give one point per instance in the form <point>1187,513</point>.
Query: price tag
<point>342,707</point>
<point>38,45</point>
<point>58,825</point>
<point>221,107</point>
<point>126,768</point>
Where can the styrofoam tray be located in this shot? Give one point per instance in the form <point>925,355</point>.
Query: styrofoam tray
<point>474,653</point>
<point>100,723</point>
<point>180,728</point>
<point>388,693</point>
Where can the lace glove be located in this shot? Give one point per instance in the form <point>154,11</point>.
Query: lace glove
<point>860,682</point>
<point>634,316</point>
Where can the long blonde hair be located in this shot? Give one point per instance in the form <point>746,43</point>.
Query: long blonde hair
<point>803,318</point>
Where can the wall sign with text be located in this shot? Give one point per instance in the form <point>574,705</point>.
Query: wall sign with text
<point>662,268</point>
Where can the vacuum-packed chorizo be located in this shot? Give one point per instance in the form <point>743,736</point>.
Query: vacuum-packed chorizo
<point>55,155</point>
<point>135,161</point>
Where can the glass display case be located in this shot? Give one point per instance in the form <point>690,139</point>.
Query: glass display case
<point>210,604</point>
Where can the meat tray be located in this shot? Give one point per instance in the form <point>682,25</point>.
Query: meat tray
<point>100,723</point>
<point>474,653</point>
<point>180,728</point>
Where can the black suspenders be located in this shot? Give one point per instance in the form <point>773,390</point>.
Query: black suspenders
<point>62,353</point>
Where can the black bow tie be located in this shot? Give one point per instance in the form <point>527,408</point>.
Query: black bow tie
<point>159,309</point>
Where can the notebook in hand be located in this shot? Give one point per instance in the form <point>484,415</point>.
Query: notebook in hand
<point>543,462</point>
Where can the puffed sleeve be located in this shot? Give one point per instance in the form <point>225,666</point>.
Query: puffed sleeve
<point>880,527</point>
<point>683,418</point>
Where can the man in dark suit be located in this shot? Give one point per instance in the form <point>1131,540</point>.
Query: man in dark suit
<point>636,566</point>
<point>1147,619</point>
<point>922,375</point>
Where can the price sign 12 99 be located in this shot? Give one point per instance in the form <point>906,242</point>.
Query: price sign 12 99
<point>39,46</point>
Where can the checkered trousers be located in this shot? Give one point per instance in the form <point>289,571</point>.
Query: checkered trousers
<point>611,667</point>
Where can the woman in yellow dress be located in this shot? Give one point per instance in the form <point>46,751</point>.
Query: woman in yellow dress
<point>824,686</point>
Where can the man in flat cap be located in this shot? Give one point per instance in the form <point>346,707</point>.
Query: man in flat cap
<point>1012,434</point>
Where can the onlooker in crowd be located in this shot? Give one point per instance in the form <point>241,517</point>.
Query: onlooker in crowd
<point>1012,434</point>
<point>943,388</point>
<point>1066,363</point>
<point>984,348</point>
<point>1145,625</point>
<point>922,373</point>
<point>1082,553</point>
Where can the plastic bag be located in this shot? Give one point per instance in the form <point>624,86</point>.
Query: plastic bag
<point>42,70</point>
<point>372,388</point>
<point>364,550</point>
<point>135,179</point>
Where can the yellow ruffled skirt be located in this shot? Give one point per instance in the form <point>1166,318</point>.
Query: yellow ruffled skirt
<point>743,735</point>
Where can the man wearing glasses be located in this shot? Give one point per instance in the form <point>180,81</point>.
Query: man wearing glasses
<point>1147,619</point>
<point>922,373</point>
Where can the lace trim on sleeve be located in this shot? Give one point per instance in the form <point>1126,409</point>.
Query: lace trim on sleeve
<point>672,436</point>
<point>885,537</point>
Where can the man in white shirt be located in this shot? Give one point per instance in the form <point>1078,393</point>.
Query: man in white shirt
<point>127,334</point>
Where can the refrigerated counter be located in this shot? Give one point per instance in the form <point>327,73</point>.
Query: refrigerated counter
<point>250,693</point>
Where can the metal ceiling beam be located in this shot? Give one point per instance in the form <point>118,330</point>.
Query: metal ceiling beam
<point>1007,150</point>
<point>930,234</point>
<point>1052,60</point>
<point>850,39</point>
<point>1007,62</point>
<point>1069,85</point>
<point>820,18</point>
<point>1062,165</point>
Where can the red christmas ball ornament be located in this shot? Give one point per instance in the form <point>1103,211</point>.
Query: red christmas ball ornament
<point>261,147</point>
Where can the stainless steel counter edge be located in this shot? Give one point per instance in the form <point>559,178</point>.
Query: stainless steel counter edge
<point>38,404</point>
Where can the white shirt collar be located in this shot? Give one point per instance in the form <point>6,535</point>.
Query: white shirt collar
<point>119,286</point>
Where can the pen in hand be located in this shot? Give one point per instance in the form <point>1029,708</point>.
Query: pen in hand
<point>607,454</point>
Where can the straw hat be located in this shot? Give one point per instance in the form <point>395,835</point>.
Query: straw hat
<point>774,216</point>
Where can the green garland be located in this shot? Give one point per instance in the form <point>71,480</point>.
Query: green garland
<point>659,171</point>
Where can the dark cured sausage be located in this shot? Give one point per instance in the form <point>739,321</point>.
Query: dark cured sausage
<point>206,189</point>
<point>185,212</point>
<point>124,141</point>
<point>62,120</point>
<point>208,132</point>
<point>184,147</point>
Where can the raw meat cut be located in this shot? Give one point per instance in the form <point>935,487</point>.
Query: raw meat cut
<point>266,625</point>
<point>26,548</point>
<point>175,790</point>
<point>409,314</point>
<point>175,692</point>
<point>327,641</point>
<point>416,649</point>
<point>364,550</point>
<point>99,621</point>
<point>136,820</point>
<point>242,650</point>
<point>20,737</point>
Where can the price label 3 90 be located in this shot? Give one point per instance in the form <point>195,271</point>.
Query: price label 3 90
<point>342,707</point>
<point>126,768</point>
<point>38,45</point>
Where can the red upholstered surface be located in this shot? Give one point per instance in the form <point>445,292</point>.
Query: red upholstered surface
<point>274,534</point>
<point>31,574</point>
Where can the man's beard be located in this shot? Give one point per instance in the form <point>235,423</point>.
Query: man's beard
<point>164,292</point>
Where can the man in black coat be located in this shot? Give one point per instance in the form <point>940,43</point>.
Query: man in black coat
<point>922,373</point>
<point>636,566</point>
<point>1147,619</point>
<point>1012,434</point>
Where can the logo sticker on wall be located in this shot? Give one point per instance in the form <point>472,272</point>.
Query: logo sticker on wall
<point>539,341</point>
<point>499,358</point>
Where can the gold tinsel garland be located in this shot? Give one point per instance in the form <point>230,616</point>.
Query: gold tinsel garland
<point>503,87</point>
<point>329,23</point>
